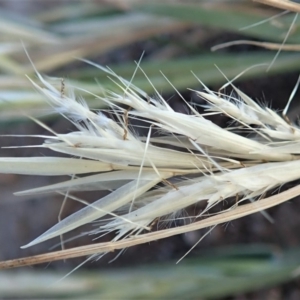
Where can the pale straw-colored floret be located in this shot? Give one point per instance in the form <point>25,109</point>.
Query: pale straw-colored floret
<point>193,160</point>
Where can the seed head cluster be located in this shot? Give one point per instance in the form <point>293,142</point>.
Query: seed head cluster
<point>192,160</point>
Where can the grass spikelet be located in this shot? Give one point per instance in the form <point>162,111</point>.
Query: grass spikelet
<point>152,177</point>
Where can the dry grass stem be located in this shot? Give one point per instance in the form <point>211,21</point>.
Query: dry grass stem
<point>282,4</point>
<point>266,45</point>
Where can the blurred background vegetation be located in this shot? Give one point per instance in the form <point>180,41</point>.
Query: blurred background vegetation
<point>246,259</point>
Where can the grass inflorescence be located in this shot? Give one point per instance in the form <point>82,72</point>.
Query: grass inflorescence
<point>190,160</point>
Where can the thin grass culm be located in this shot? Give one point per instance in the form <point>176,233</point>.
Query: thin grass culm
<point>182,160</point>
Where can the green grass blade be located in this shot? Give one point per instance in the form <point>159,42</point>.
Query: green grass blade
<point>218,274</point>
<point>228,16</point>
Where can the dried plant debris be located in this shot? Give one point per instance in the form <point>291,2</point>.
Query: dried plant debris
<point>189,160</point>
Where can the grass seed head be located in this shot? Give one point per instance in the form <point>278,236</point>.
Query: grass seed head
<point>150,178</point>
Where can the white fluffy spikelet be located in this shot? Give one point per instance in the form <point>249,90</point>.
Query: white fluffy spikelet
<point>193,160</point>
